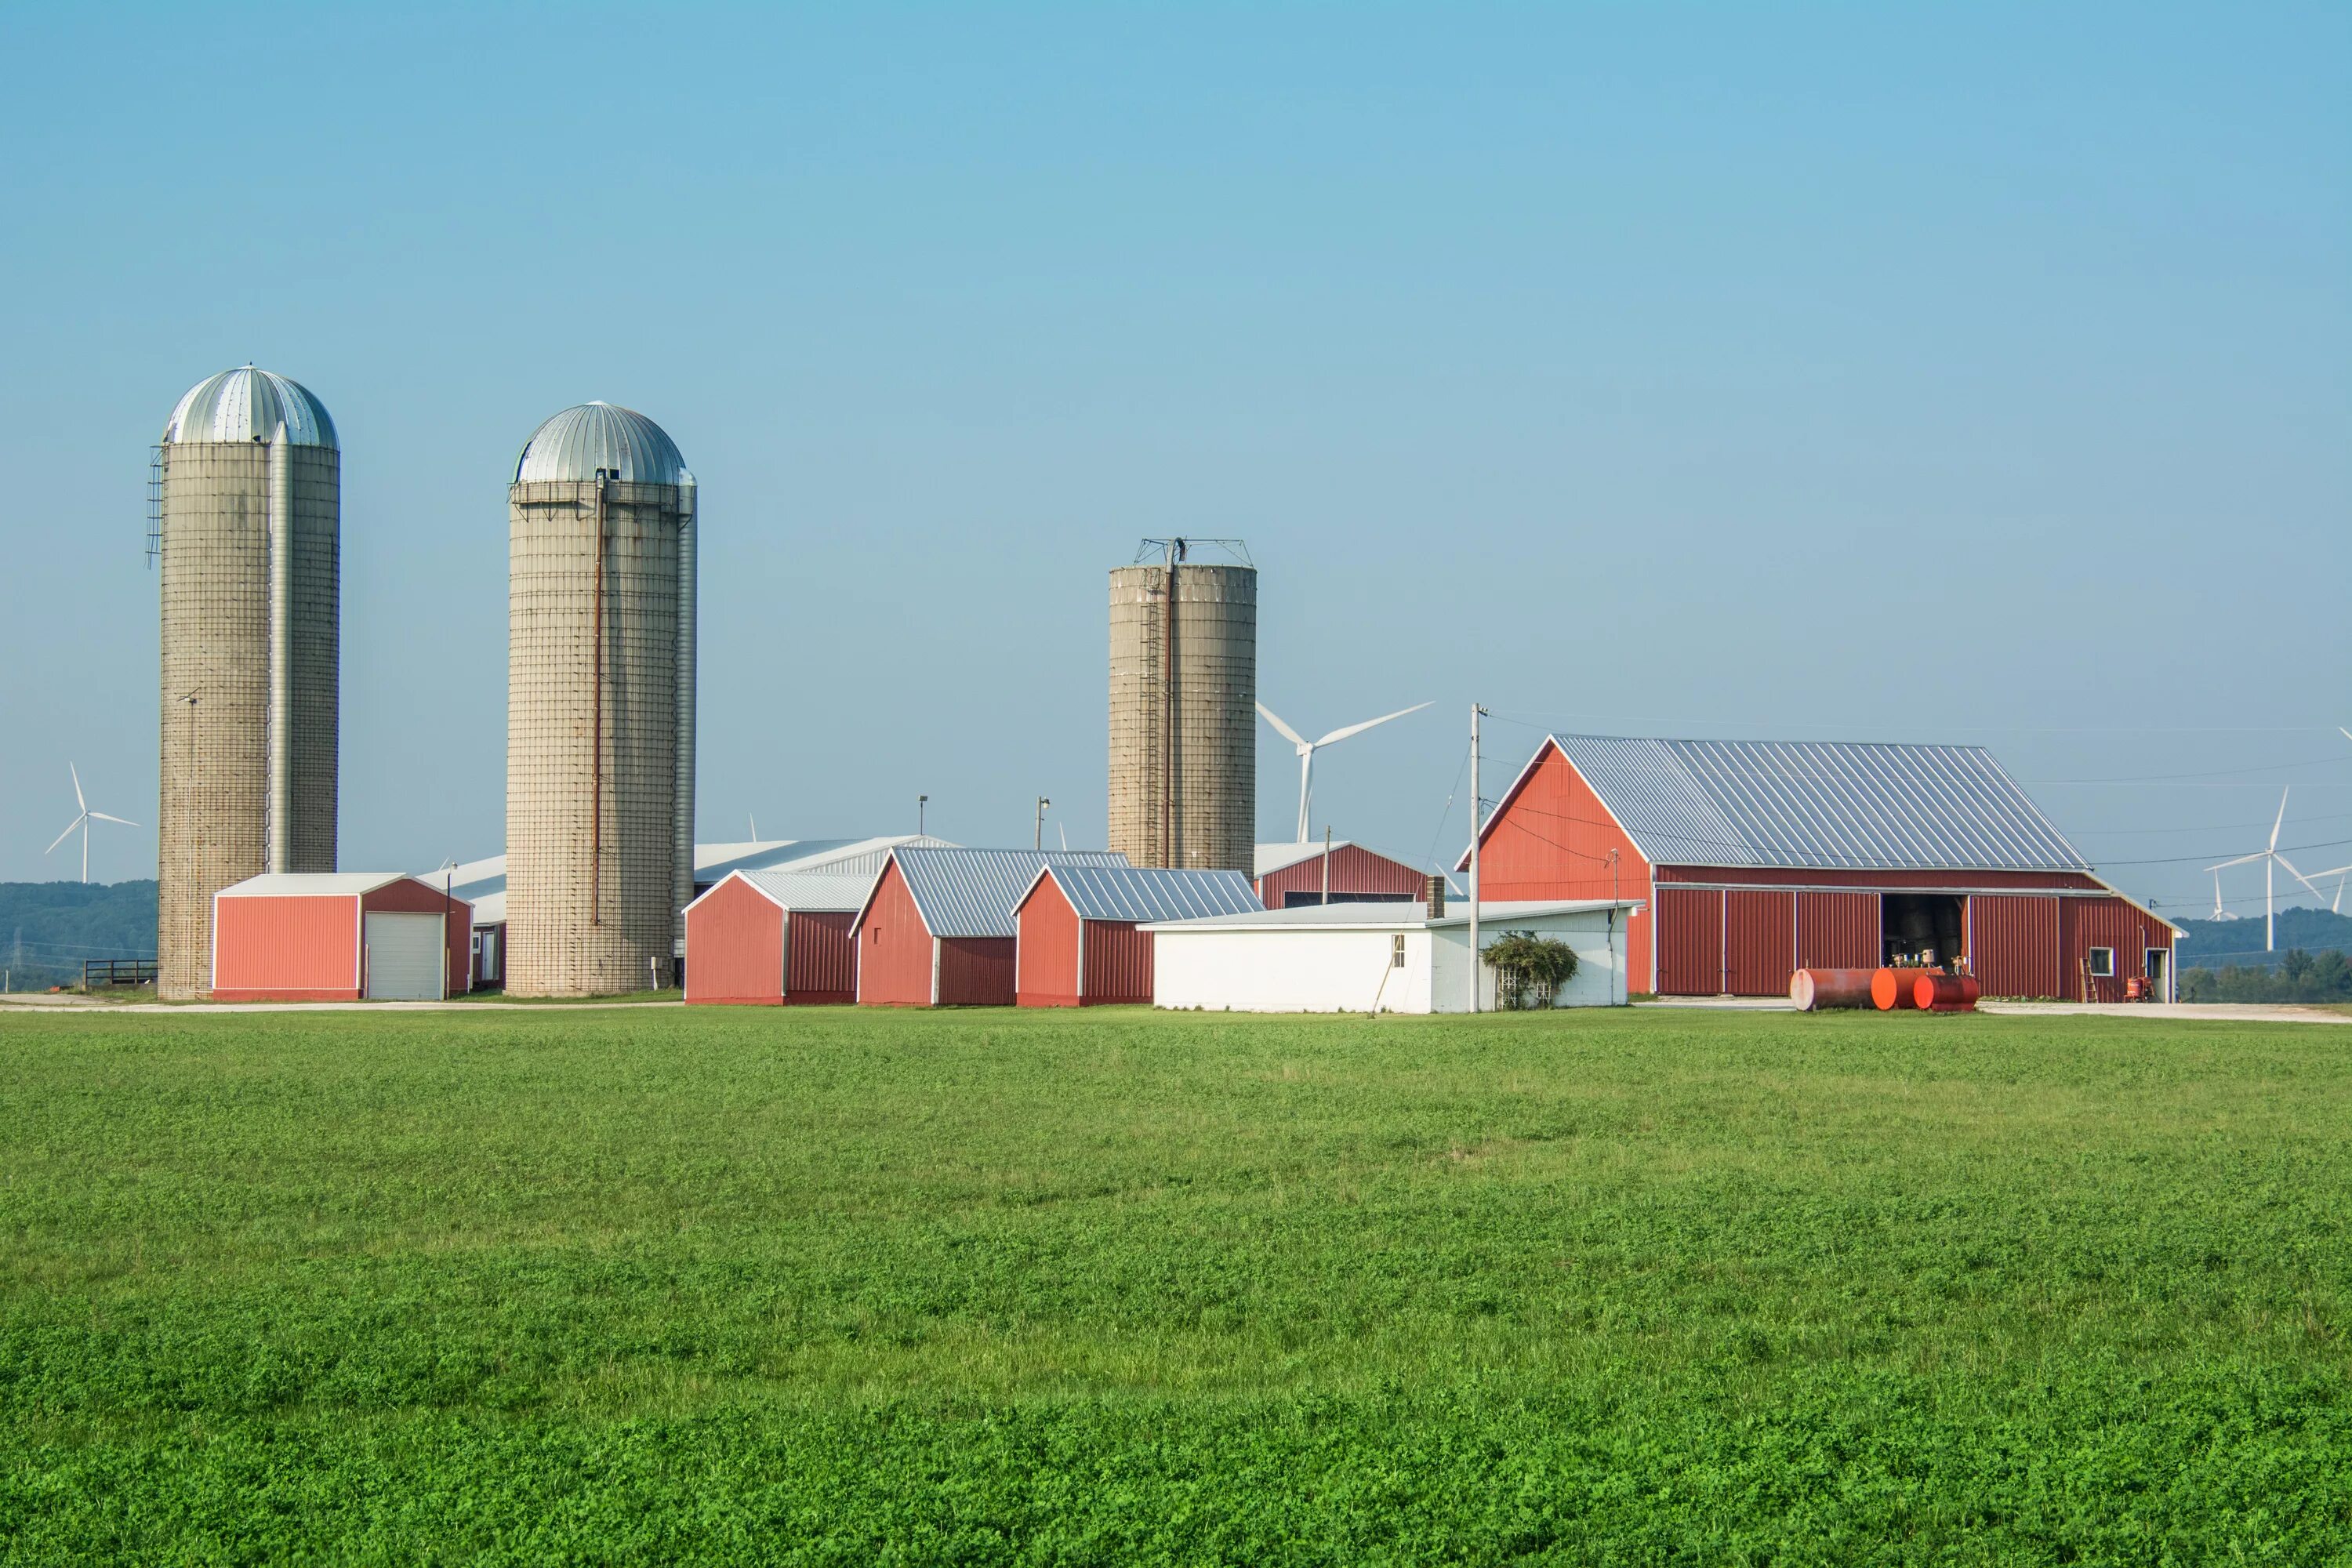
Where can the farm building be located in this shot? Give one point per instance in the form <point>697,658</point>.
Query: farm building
<point>337,936</point>
<point>1081,942</point>
<point>769,938</point>
<point>1292,874</point>
<point>1757,858</point>
<point>1376,957</point>
<point>938,930</point>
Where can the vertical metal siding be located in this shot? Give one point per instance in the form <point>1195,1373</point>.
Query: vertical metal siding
<point>735,948</point>
<point>1047,961</point>
<point>2109,922</point>
<point>2015,948</point>
<point>1690,942</point>
<point>286,949</point>
<point>1839,930</point>
<point>1118,963</point>
<point>1760,943</point>
<point>977,971</point>
<point>1550,838</point>
<point>894,949</point>
<point>821,958</point>
<point>1354,869</point>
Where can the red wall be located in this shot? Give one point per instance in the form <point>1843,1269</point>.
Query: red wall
<point>411,896</point>
<point>1354,869</point>
<point>1923,881</point>
<point>894,948</point>
<point>821,962</point>
<point>1047,958</point>
<point>735,947</point>
<point>286,949</point>
<point>1839,930</point>
<point>1760,943</point>
<point>977,971</point>
<point>2109,922</point>
<point>1550,838</point>
<point>2016,947</point>
<point>1118,963</point>
<point>1690,942</point>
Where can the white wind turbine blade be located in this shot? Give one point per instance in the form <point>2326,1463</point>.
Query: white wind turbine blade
<point>61,838</point>
<point>1360,729</point>
<point>2282,817</point>
<point>2257,855</point>
<point>77,779</point>
<point>2343,731</point>
<point>103,817</point>
<point>2299,875</point>
<point>1288,733</point>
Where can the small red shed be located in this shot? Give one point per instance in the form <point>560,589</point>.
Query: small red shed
<point>1290,876</point>
<point>339,936</point>
<point>1078,942</point>
<point>774,939</point>
<point>938,930</point>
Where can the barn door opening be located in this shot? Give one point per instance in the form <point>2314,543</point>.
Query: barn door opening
<point>1923,930</point>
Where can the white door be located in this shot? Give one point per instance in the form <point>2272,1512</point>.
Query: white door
<point>404,957</point>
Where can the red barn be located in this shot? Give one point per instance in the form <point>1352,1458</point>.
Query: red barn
<point>774,939</point>
<point>1291,875</point>
<point>1757,858</point>
<point>1078,942</point>
<point>339,936</point>
<point>938,930</point>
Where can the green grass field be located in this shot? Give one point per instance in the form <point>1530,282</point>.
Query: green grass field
<point>834,1285</point>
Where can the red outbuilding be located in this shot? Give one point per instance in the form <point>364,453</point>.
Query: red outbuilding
<point>339,936</point>
<point>774,937</point>
<point>938,930</point>
<point>1078,942</point>
<point>1758,859</point>
<point>1292,875</point>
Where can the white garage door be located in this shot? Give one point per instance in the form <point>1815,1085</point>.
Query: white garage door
<point>405,958</point>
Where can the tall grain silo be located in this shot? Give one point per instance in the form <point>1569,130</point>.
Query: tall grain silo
<point>247,523</point>
<point>600,705</point>
<point>1183,720</point>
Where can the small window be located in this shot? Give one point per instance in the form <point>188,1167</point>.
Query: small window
<point>1396,950</point>
<point>2103,962</point>
<point>877,938</point>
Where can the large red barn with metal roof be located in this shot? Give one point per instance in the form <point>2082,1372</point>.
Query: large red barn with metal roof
<point>1758,859</point>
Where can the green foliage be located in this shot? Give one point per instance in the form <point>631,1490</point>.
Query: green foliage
<point>1531,968</point>
<point>2215,944</point>
<point>841,1285</point>
<point>2299,976</point>
<point>48,929</point>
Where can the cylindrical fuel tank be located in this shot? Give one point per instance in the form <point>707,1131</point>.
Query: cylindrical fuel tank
<point>1890,989</point>
<point>1813,990</point>
<point>1938,993</point>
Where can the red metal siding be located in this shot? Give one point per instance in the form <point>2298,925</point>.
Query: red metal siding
<point>1047,958</point>
<point>286,950</point>
<point>1118,963</point>
<point>977,971</point>
<point>1690,942</point>
<point>2109,922</point>
<point>1839,930</point>
<point>821,961</point>
<point>735,948</point>
<point>1924,881</point>
<point>2014,945</point>
<point>894,949</point>
<point>1550,838</point>
<point>1354,869</point>
<point>412,897</point>
<point>1760,943</point>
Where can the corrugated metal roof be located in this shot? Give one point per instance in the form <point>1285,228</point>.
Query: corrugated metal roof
<point>581,439</point>
<point>973,892</point>
<point>1400,916</point>
<point>1153,892</point>
<point>311,884</point>
<point>811,890</point>
<point>1269,858</point>
<point>247,405</point>
<point>483,883</point>
<point>1823,804</point>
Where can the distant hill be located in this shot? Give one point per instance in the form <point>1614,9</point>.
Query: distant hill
<point>2213,945</point>
<point>47,929</point>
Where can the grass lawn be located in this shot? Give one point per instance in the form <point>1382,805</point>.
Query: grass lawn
<point>838,1286</point>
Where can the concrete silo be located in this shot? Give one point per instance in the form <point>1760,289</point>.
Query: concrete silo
<point>1183,720</point>
<point>249,532</point>
<point>600,705</point>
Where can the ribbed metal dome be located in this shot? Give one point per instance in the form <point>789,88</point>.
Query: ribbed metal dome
<point>247,405</point>
<point>580,440</point>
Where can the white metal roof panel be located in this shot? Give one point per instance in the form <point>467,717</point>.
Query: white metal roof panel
<point>1823,805</point>
<point>973,892</point>
<point>811,890</point>
<point>248,404</point>
<point>1267,859</point>
<point>1153,892</point>
<point>311,884</point>
<point>576,444</point>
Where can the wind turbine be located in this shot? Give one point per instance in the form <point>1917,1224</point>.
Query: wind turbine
<point>2272,859</point>
<point>82,822</point>
<point>1307,750</point>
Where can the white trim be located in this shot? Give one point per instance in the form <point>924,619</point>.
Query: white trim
<point>935,965</point>
<point>1511,794</point>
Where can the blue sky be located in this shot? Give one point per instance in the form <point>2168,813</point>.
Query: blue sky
<point>1978,374</point>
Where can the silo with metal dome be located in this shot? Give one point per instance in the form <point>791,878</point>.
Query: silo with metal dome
<point>600,705</point>
<point>247,524</point>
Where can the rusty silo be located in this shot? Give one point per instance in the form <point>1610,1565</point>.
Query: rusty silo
<point>1183,720</point>
<point>247,523</point>
<point>600,705</point>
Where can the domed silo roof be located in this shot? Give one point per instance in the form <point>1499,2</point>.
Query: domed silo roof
<point>577,442</point>
<point>247,405</point>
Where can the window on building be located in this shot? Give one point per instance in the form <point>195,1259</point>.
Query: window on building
<point>2155,957</point>
<point>2103,962</point>
<point>1396,950</point>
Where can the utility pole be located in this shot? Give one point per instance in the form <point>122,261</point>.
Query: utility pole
<point>1326,865</point>
<point>1038,841</point>
<point>920,801</point>
<point>1477,962</point>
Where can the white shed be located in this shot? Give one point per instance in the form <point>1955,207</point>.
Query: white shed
<point>1384,958</point>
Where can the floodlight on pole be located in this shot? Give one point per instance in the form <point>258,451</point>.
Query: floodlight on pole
<point>1307,750</point>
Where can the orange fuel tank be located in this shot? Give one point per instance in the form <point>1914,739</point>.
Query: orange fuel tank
<point>1813,990</point>
<point>1939,993</point>
<point>1890,989</point>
